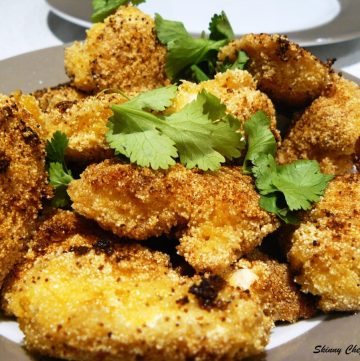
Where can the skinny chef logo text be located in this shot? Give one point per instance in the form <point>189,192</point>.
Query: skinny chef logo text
<point>349,350</point>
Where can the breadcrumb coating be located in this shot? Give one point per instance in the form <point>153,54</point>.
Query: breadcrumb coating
<point>87,298</point>
<point>217,213</point>
<point>236,89</point>
<point>273,283</point>
<point>84,122</point>
<point>325,251</point>
<point>328,130</point>
<point>59,97</point>
<point>123,53</point>
<point>22,175</point>
<point>287,73</point>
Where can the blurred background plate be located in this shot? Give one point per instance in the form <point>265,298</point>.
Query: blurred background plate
<point>306,22</point>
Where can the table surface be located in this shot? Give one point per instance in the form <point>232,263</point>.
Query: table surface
<point>30,25</point>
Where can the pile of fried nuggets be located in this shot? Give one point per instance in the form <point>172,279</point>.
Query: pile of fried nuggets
<point>178,264</point>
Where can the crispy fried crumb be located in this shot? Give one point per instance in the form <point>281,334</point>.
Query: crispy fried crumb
<point>123,52</point>
<point>123,305</point>
<point>22,176</point>
<point>288,74</point>
<point>207,207</point>
<point>328,130</point>
<point>325,251</point>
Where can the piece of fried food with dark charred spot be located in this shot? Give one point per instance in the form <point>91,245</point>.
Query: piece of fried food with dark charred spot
<point>288,74</point>
<point>23,180</point>
<point>328,130</point>
<point>78,301</point>
<point>60,97</point>
<point>216,213</point>
<point>325,251</point>
<point>85,124</point>
<point>123,53</point>
<point>236,89</point>
<point>273,283</point>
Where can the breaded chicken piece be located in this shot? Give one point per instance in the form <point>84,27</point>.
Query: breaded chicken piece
<point>236,89</point>
<point>325,251</point>
<point>216,213</point>
<point>84,122</point>
<point>87,298</point>
<point>328,130</point>
<point>123,53</point>
<point>22,176</point>
<point>273,283</point>
<point>288,74</point>
<point>59,97</point>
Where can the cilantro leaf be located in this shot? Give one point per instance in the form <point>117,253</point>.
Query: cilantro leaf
<point>260,138</point>
<point>184,50</point>
<point>201,134</point>
<point>220,28</point>
<point>59,175</point>
<point>198,74</point>
<point>55,148</point>
<point>283,189</point>
<point>104,8</point>
<point>301,182</point>
<point>239,63</point>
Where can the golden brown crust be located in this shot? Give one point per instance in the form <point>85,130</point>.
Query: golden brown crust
<point>22,175</point>
<point>328,129</point>
<point>273,283</point>
<point>236,89</point>
<point>59,97</point>
<point>85,124</point>
<point>325,251</point>
<point>122,53</point>
<point>218,212</point>
<point>288,74</point>
<point>124,302</point>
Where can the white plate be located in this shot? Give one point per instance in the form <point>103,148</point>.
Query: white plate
<point>295,342</point>
<point>307,22</point>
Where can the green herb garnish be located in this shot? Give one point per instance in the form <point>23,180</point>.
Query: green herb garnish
<point>59,174</point>
<point>201,134</point>
<point>195,58</point>
<point>284,189</point>
<point>104,8</point>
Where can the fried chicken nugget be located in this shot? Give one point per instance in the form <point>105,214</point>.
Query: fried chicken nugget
<point>59,97</point>
<point>328,130</point>
<point>325,251</point>
<point>123,52</point>
<point>288,74</point>
<point>84,122</point>
<point>22,175</point>
<point>272,282</point>
<point>87,298</point>
<point>217,213</point>
<point>236,89</point>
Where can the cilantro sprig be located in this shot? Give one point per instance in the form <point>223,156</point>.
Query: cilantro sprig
<point>284,189</point>
<point>195,58</point>
<point>103,8</point>
<point>200,135</point>
<point>59,174</point>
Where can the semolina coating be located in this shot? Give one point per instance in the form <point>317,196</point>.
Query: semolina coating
<point>122,53</point>
<point>287,73</point>
<point>215,214</point>
<point>236,89</point>
<point>23,180</point>
<point>273,284</point>
<point>88,298</point>
<point>59,97</point>
<point>325,252</point>
<point>328,130</point>
<point>85,124</point>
